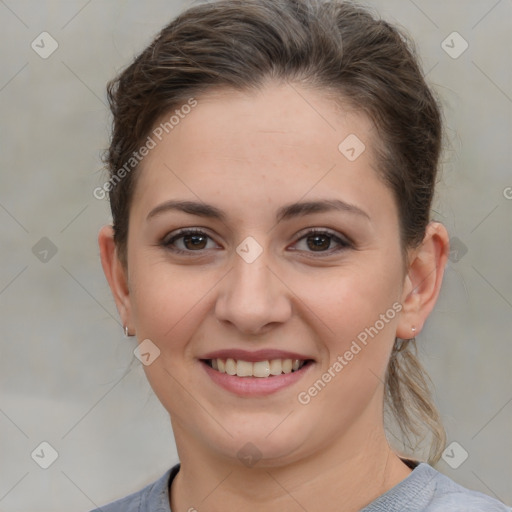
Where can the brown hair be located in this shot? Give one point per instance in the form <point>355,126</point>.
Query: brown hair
<point>334,47</point>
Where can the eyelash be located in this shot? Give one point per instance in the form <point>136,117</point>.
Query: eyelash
<point>344,243</point>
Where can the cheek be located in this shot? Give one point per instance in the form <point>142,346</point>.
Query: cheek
<point>349,299</point>
<point>357,312</point>
<point>357,326</point>
<point>166,301</point>
<point>168,304</point>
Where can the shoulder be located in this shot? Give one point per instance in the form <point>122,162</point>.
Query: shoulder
<point>450,496</point>
<point>428,490</point>
<point>152,498</point>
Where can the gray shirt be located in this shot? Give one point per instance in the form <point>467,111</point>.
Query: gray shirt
<point>423,490</point>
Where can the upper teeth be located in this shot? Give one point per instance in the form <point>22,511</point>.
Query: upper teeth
<point>258,369</point>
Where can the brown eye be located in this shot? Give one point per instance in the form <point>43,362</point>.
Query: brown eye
<point>195,241</point>
<point>187,241</point>
<point>322,242</point>
<point>319,242</point>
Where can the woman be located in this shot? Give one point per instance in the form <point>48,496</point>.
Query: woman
<point>272,168</point>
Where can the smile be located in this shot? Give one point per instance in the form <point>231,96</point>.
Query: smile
<point>256,373</point>
<point>260,369</point>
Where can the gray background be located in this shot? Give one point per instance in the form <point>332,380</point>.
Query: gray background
<point>67,375</point>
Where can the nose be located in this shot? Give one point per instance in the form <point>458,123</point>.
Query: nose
<point>252,298</point>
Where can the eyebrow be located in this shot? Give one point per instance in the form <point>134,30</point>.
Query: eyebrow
<point>286,212</point>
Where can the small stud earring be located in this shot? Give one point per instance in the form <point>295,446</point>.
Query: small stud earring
<point>413,329</point>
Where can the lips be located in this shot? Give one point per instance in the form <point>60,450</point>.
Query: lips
<point>250,372</point>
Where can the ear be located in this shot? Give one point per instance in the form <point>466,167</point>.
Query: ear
<point>423,280</point>
<point>115,273</point>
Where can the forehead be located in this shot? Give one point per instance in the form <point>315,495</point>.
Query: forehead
<point>280,140</point>
<point>289,119</point>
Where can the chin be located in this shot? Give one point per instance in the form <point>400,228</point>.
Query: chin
<point>267,444</point>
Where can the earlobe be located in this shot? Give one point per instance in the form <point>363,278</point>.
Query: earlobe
<point>115,273</point>
<point>423,280</point>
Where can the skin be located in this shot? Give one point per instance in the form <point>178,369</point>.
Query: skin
<point>249,154</point>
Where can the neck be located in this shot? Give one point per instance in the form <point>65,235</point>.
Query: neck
<point>348,475</point>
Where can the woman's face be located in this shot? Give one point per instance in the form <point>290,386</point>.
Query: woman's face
<point>296,256</point>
